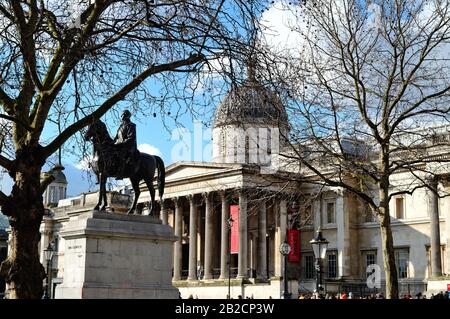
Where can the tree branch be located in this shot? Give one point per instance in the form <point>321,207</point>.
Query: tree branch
<point>44,102</point>
<point>113,100</point>
<point>18,13</point>
<point>6,100</point>
<point>6,13</point>
<point>6,163</point>
<point>17,121</point>
<point>3,198</point>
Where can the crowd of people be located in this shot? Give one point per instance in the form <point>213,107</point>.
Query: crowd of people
<point>342,295</point>
<point>351,295</point>
<point>380,295</point>
<point>441,295</point>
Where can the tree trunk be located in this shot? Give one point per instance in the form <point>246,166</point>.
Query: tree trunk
<point>22,269</point>
<point>387,245</point>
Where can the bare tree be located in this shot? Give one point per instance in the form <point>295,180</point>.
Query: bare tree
<point>368,86</point>
<point>65,63</point>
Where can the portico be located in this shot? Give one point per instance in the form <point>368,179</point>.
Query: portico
<point>197,204</point>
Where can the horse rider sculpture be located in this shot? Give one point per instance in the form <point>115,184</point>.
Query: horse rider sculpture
<point>126,146</point>
<point>120,158</point>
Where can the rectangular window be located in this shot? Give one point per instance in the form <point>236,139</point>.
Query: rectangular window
<point>331,218</point>
<point>332,264</point>
<point>308,266</point>
<point>369,258</point>
<point>402,260</point>
<point>399,208</point>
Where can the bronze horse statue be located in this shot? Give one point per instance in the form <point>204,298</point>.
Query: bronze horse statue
<point>105,164</point>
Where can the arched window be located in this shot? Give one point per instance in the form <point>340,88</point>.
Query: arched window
<point>247,149</point>
<point>223,143</point>
<point>53,194</point>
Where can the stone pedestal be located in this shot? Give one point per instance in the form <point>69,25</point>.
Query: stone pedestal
<point>117,256</point>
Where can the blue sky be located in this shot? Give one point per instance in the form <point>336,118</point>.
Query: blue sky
<point>158,136</point>
<point>152,137</point>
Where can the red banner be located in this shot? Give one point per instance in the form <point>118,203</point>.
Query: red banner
<point>294,242</point>
<point>234,213</point>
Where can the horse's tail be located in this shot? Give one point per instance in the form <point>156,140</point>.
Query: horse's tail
<point>161,175</point>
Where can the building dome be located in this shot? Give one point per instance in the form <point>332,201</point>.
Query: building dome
<point>250,125</point>
<point>57,189</point>
<point>251,104</point>
<point>60,177</point>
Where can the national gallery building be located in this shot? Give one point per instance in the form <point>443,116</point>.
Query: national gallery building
<point>230,217</point>
<point>272,209</point>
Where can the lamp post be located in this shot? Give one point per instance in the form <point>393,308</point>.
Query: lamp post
<point>48,255</point>
<point>320,245</point>
<point>285,249</point>
<point>230,224</point>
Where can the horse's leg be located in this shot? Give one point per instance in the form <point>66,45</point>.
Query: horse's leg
<point>135,183</point>
<point>103,179</point>
<point>100,195</point>
<point>149,182</point>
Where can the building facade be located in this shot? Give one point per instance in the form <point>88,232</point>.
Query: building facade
<point>355,247</point>
<point>197,204</point>
<point>216,255</point>
<point>249,129</point>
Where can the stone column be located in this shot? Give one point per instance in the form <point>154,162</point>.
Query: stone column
<point>280,236</point>
<point>209,238</point>
<point>200,238</point>
<point>343,239</point>
<point>242,257</point>
<point>164,213</point>
<point>177,256</point>
<point>192,238</point>
<point>252,247</point>
<point>224,249</point>
<point>46,230</point>
<point>435,236</point>
<point>262,249</point>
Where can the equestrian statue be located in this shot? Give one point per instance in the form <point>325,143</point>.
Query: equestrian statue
<point>120,158</point>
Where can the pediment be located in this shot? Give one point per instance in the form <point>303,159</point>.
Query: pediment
<point>186,170</point>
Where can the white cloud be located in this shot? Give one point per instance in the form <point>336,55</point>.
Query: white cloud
<point>278,23</point>
<point>149,149</point>
<point>84,163</point>
<point>6,182</point>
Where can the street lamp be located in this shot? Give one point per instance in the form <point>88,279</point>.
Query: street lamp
<point>320,246</point>
<point>48,255</point>
<point>285,249</point>
<point>230,224</point>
